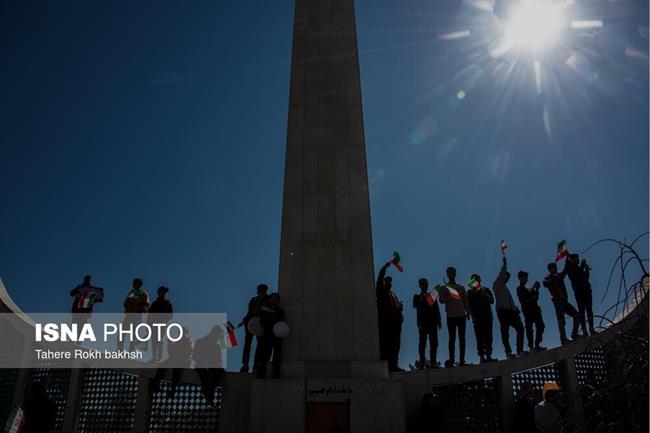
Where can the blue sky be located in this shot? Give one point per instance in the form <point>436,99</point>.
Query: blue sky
<point>147,139</point>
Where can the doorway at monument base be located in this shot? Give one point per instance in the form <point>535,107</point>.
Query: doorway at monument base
<point>318,405</point>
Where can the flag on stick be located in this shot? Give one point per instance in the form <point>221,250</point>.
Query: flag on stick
<point>396,261</point>
<point>473,284</point>
<point>562,251</point>
<point>504,246</point>
<point>230,339</point>
<point>433,296</point>
<point>15,421</point>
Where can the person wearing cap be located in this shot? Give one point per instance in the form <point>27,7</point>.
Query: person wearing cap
<point>507,312</point>
<point>390,318</point>
<point>160,311</point>
<point>548,416</point>
<point>254,305</point>
<point>480,304</point>
<point>528,297</point>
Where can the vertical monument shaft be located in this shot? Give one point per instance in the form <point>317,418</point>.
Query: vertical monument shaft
<point>326,263</point>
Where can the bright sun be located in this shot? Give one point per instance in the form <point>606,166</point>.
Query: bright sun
<point>534,24</point>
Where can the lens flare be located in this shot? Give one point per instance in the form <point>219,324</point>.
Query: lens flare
<point>534,24</point>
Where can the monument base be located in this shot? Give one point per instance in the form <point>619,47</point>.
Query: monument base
<point>318,405</point>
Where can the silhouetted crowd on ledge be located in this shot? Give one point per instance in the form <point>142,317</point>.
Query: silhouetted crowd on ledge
<point>476,303</point>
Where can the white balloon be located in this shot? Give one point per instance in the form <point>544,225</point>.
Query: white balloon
<point>281,329</point>
<point>254,327</point>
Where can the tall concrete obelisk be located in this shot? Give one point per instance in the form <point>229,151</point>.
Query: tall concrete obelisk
<point>326,264</point>
<point>331,375</point>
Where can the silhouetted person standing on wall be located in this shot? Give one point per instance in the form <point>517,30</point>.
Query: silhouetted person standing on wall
<point>454,297</point>
<point>528,297</point>
<point>578,273</point>
<point>507,312</point>
<point>135,305</point>
<point>554,282</point>
<point>254,306</point>
<point>39,410</point>
<point>389,312</point>
<point>85,296</point>
<point>480,304</point>
<point>268,344</point>
<point>429,322</point>
<point>161,311</point>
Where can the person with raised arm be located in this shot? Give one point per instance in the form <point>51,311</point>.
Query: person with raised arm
<point>554,282</point>
<point>507,312</point>
<point>390,319</point>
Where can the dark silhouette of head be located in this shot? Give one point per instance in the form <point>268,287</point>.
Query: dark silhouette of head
<point>274,299</point>
<point>262,290</point>
<point>552,396</point>
<point>424,284</point>
<point>574,258</point>
<point>88,280</point>
<point>476,277</point>
<point>162,291</point>
<point>552,268</point>
<point>37,389</point>
<point>388,283</point>
<point>137,283</point>
<point>523,277</point>
<point>451,273</point>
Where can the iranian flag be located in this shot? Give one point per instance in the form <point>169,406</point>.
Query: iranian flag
<point>15,421</point>
<point>504,246</point>
<point>86,300</point>
<point>230,339</point>
<point>562,251</point>
<point>396,261</point>
<point>453,293</point>
<point>473,284</point>
<point>433,296</point>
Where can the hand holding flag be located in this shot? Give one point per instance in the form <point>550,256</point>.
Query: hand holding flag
<point>396,261</point>
<point>504,247</point>
<point>562,250</point>
<point>474,284</point>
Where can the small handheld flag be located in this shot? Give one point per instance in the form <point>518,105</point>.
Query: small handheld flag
<point>15,421</point>
<point>86,300</point>
<point>562,250</point>
<point>230,338</point>
<point>433,296</point>
<point>396,261</point>
<point>453,293</point>
<point>504,246</point>
<point>473,284</point>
